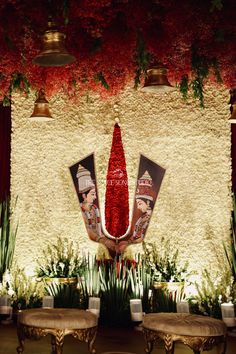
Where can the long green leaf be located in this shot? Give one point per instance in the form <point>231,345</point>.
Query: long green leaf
<point>7,237</point>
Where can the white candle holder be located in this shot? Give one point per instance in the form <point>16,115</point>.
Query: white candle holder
<point>136,310</point>
<point>6,309</point>
<point>94,305</point>
<point>182,307</point>
<point>5,304</point>
<point>228,314</point>
<point>48,302</point>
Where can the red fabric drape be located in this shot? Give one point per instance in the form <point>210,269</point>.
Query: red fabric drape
<point>5,150</point>
<point>117,197</point>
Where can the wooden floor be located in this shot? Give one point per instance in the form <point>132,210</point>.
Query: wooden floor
<point>108,340</point>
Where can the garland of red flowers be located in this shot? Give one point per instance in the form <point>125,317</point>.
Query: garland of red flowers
<point>117,195</point>
<point>102,35</point>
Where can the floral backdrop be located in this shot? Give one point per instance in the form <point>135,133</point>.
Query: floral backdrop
<point>115,40</point>
<point>192,144</point>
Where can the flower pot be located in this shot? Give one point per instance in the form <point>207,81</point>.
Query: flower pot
<point>170,286</point>
<point>64,291</point>
<point>69,281</point>
<point>166,295</point>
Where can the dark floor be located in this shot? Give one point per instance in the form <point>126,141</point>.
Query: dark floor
<point>108,340</point>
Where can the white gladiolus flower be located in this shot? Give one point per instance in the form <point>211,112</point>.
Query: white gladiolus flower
<point>11,292</point>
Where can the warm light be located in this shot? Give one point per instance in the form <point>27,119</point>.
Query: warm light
<point>41,111</point>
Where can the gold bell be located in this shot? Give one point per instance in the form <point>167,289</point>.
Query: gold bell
<point>54,52</point>
<point>156,80</point>
<point>41,111</point>
<point>232,118</point>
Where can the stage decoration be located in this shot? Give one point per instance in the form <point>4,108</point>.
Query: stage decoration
<point>41,111</point>
<point>53,52</point>
<point>195,40</point>
<point>148,184</point>
<point>156,79</point>
<point>117,194</point>
<point>232,103</point>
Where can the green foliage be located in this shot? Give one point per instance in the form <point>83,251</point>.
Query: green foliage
<point>60,260</point>
<point>89,282</point>
<point>164,262</point>
<point>100,78</point>
<point>164,300</point>
<point>210,295</point>
<point>141,282</point>
<point>201,66</point>
<point>216,5</point>
<point>142,58</point>
<point>25,291</point>
<point>184,86</point>
<point>65,295</point>
<point>7,237</point>
<point>115,292</point>
<point>19,82</point>
<point>65,11</point>
<point>230,251</point>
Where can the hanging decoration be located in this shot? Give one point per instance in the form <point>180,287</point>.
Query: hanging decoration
<point>115,236</point>
<point>113,42</point>
<point>117,195</point>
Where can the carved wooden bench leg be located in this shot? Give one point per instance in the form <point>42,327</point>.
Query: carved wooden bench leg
<point>169,344</point>
<point>87,335</point>
<point>222,346</point>
<point>21,339</point>
<point>91,340</point>
<point>170,349</point>
<point>59,341</point>
<point>149,340</point>
<point>53,344</point>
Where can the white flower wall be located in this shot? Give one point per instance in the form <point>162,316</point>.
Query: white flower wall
<point>193,144</point>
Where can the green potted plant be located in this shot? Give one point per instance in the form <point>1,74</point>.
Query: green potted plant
<point>59,269</point>
<point>167,274</point>
<point>7,237</point>
<point>61,262</point>
<point>164,263</point>
<point>89,281</point>
<point>115,290</point>
<point>141,282</point>
<point>24,291</point>
<point>230,251</point>
<point>210,294</point>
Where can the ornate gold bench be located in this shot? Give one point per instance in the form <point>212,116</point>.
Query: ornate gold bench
<point>58,322</point>
<point>197,332</point>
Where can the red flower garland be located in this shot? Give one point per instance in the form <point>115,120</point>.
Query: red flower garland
<point>102,35</point>
<point>117,195</point>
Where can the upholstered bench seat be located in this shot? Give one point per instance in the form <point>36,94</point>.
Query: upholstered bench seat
<point>198,332</point>
<point>59,322</point>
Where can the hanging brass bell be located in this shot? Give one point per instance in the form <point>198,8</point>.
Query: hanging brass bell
<point>232,118</point>
<point>41,111</point>
<point>156,80</point>
<point>54,52</point>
